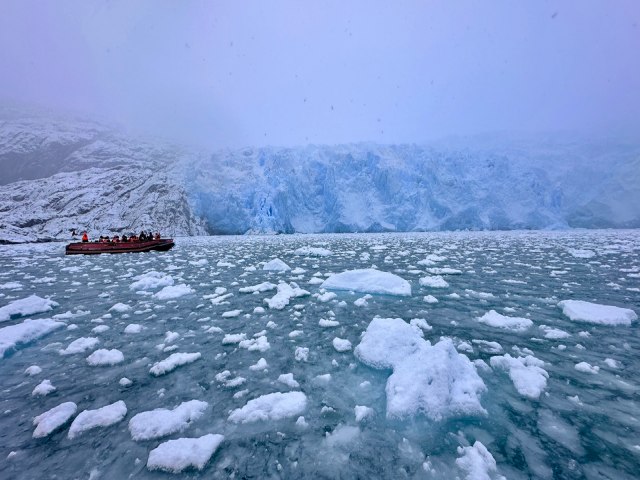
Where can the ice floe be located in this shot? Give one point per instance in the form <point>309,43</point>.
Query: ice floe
<point>43,388</point>
<point>285,293</point>
<point>48,422</point>
<point>526,373</point>
<point>581,311</point>
<point>341,344</point>
<point>313,252</point>
<point>272,406</point>
<point>434,282</point>
<point>495,319</point>
<point>172,362</point>
<point>104,357</point>
<point>151,280</point>
<point>276,265</point>
<point>177,455</point>
<point>174,291</point>
<point>22,333</point>
<point>435,380</point>
<point>100,417</point>
<point>25,307</point>
<point>80,345</point>
<point>477,462</point>
<point>161,421</point>
<point>368,280</point>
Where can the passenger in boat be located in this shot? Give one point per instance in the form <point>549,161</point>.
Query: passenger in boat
<point>143,236</point>
<point>157,236</point>
<point>115,239</point>
<point>85,237</point>
<point>124,238</point>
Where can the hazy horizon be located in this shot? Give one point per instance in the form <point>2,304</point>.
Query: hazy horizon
<point>232,75</point>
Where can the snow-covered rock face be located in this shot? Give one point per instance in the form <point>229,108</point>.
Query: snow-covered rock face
<point>57,175</point>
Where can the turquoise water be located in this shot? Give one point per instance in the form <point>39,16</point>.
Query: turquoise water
<point>583,425</point>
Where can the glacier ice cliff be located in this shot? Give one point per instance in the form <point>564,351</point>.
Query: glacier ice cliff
<point>56,175</point>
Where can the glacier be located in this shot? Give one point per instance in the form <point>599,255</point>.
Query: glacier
<point>58,174</point>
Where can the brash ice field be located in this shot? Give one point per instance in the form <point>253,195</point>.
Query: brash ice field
<point>448,355</point>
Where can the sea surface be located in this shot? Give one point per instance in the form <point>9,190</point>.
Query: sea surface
<point>585,424</point>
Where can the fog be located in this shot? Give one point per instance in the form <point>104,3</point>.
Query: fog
<point>230,74</point>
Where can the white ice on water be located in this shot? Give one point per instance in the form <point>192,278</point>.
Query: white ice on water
<point>368,280</point>
<point>495,319</point>
<point>581,311</point>
<point>27,331</point>
<point>161,421</point>
<point>272,406</point>
<point>172,362</point>
<point>49,421</point>
<point>177,455</point>
<point>25,307</point>
<point>100,417</point>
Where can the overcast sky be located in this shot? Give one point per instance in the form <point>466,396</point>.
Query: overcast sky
<point>238,73</point>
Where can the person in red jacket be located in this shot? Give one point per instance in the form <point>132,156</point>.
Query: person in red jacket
<point>85,237</point>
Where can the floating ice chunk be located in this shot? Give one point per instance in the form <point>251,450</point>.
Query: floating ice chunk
<point>151,280</point>
<point>420,323</point>
<point>273,406</point>
<point>301,354</point>
<point>341,344</point>
<point>553,333</point>
<point>231,338</point>
<point>35,370</point>
<point>476,461</point>
<point>362,301</point>
<point>106,357</point>
<point>174,291</point>
<point>301,422</point>
<point>298,271</point>
<point>313,252</point>
<point>285,293</point>
<point>586,368</point>
<point>259,344</point>
<point>287,379</point>
<point>325,297</point>
<point>434,380</point>
<point>177,455</point>
<point>363,412</point>
<point>49,421</point>
<point>259,365</point>
<point>125,382</point>
<point>577,253</point>
<point>368,280</point>
<point>560,431</point>
<point>526,373</point>
<point>444,271</point>
<point>43,388</point>
<point>430,299</point>
<point>231,314</point>
<point>464,347</point>
<point>171,337</point>
<point>80,345</point>
<point>161,421</point>
<point>101,417</point>
<point>323,322</point>
<point>100,329</point>
<point>28,331</point>
<point>276,265</point>
<point>434,282</point>
<point>120,308</point>
<point>133,328</point>
<point>172,362</point>
<point>261,287</point>
<point>487,346</point>
<point>11,286</point>
<point>494,319</point>
<point>315,281</point>
<point>581,311</point>
<point>258,310</point>
<point>609,361</point>
<point>26,306</point>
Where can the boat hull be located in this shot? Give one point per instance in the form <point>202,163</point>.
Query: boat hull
<point>95,248</point>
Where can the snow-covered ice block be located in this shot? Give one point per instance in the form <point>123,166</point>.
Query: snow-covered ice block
<point>341,344</point>
<point>553,333</point>
<point>106,357</point>
<point>276,265</point>
<point>161,421</point>
<point>363,412</point>
<point>495,319</point>
<point>261,287</point>
<point>28,331</point>
<point>259,365</point>
<point>172,362</point>
<point>174,291</point>
<point>581,311</point>
<point>35,370</point>
<point>434,282</point>
<point>287,379</point>
<point>285,293</point>
<point>26,306</point>
<point>313,252</point>
<point>368,280</point>
<point>43,388</point>
<point>120,308</point>
<point>49,421</point>
<point>476,461</point>
<point>151,280</point>
<point>436,381</point>
<point>177,455</point>
<point>526,373</point>
<point>80,345</point>
<point>101,417</point>
<point>587,368</point>
<point>259,344</point>
<point>272,406</point>
<point>133,328</point>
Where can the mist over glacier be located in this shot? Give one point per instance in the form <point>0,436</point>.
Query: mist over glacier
<point>62,174</point>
